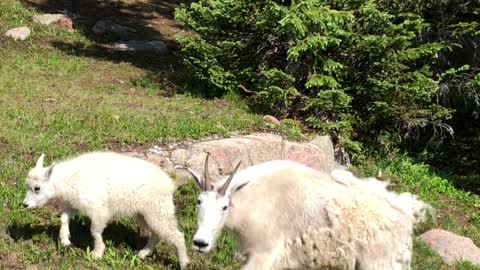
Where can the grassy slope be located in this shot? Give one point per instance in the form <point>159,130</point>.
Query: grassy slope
<point>59,102</point>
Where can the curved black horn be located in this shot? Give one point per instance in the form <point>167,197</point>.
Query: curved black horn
<point>223,189</point>
<point>206,176</point>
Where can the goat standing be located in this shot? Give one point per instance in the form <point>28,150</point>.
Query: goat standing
<point>285,215</point>
<point>105,185</point>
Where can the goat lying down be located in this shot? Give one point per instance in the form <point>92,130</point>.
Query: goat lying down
<point>105,185</point>
<point>285,215</point>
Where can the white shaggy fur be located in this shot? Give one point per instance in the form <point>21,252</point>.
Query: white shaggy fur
<point>285,215</point>
<point>105,185</point>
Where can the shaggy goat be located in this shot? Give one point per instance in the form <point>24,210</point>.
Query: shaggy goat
<point>105,185</point>
<point>285,215</point>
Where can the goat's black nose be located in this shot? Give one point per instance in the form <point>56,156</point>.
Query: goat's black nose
<point>200,243</point>
<point>25,205</point>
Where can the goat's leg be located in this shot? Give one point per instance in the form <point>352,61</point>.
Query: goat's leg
<point>98,225</point>
<point>64,228</point>
<point>149,247</point>
<point>152,241</point>
<point>164,225</point>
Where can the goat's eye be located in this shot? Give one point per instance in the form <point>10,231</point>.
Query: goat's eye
<point>224,208</point>
<point>36,189</point>
<point>199,202</point>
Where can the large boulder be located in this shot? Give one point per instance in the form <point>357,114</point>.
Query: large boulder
<point>451,247</point>
<point>249,149</point>
<point>59,21</point>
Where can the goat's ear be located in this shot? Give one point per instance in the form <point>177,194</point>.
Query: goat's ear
<point>197,178</point>
<point>241,186</point>
<point>39,163</point>
<point>49,171</point>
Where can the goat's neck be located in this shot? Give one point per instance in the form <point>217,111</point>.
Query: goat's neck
<point>235,222</point>
<point>62,183</point>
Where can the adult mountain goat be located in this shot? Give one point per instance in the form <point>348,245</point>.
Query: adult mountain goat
<point>285,215</point>
<point>105,185</point>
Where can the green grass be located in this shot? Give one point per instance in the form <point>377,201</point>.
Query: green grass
<point>62,102</point>
<point>67,99</point>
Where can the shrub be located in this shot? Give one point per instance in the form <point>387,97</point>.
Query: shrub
<point>347,68</point>
<point>456,23</point>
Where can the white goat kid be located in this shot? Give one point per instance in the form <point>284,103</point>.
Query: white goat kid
<point>105,185</point>
<point>285,215</point>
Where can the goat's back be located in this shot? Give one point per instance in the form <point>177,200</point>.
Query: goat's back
<point>321,219</point>
<point>114,168</point>
<point>118,182</point>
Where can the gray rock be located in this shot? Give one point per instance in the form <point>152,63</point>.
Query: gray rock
<point>310,155</point>
<point>249,149</point>
<point>64,24</point>
<point>172,146</point>
<point>19,33</point>
<point>256,148</point>
<point>47,19</point>
<point>59,21</point>
<point>154,158</point>
<point>135,154</point>
<point>271,119</point>
<point>108,26</point>
<point>451,247</point>
<point>139,45</point>
<point>325,146</point>
<point>156,150</point>
<point>167,166</point>
<point>179,156</point>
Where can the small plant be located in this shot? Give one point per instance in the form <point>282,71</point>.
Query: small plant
<point>289,128</point>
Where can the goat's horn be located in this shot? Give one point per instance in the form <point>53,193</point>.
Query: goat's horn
<point>206,177</point>
<point>223,189</point>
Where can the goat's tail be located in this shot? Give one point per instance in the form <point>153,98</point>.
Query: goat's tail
<point>411,205</point>
<point>405,202</point>
<point>420,210</point>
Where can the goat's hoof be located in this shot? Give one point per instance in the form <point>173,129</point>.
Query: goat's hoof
<point>97,254</point>
<point>66,244</point>
<point>144,253</point>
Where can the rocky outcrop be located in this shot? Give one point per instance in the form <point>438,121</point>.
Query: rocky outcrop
<point>249,149</point>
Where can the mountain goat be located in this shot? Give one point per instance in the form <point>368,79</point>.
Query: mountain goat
<point>285,215</point>
<point>105,185</point>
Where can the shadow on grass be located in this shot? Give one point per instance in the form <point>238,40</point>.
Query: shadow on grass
<point>151,20</point>
<point>166,70</point>
<point>458,158</point>
<point>118,235</point>
<point>116,232</point>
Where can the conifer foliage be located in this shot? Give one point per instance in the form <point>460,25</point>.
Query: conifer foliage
<point>348,68</point>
